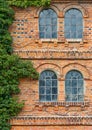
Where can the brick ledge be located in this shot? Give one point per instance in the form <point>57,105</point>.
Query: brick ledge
<point>55,120</point>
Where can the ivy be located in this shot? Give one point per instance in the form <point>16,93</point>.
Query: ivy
<point>27,3</point>
<point>12,68</point>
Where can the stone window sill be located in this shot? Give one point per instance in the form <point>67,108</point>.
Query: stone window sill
<point>49,40</point>
<point>74,40</point>
<point>64,104</point>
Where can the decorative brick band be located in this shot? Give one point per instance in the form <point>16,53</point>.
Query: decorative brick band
<point>55,120</point>
<point>63,103</point>
<point>55,54</point>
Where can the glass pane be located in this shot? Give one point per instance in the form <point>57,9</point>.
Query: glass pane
<point>73,21</point>
<point>48,97</point>
<point>42,90</point>
<point>67,28</point>
<point>73,29</point>
<point>42,35</point>
<point>79,21</point>
<point>48,35</point>
<point>74,83</point>
<point>42,28</point>
<point>54,76</point>
<point>80,34</point>
<point>74,90</point>
<point>48,18</point>
<point>68,90</point>
<point>80,91</point>
<point>68,97</point>
<point>42,21</point>
<point>67,35</point>
<point>42,97</point>
<point>54,90</point>
<point>54,34</point>
<point>48,21</point>
<point>67,22</point>
<point>80,83</point>
<point>73,34</point>
<point>73,18</point>
<point>42,83</point>
<point>54,21</point>
<point>74,98</point>
<point>48,83</point>
<point>80,98</point>
<point>54,97</point>
<point>48,90</point>
<point>68,83</point>
<point>54,28</point>
<point>54,83</point>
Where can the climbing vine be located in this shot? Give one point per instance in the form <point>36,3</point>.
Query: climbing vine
<point>12,68</point>
<point>26,3</point>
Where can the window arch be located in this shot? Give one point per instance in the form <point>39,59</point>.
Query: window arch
<point>74,86</point>
<point>48,86</point>
<point>73,24</point>
<point>48,24</point>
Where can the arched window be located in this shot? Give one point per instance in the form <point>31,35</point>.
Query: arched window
<point>73,24</point>
<point>48,24</point>
<point>48,86</point>
<point>74,86</point>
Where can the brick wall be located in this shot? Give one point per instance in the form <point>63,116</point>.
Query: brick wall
<point>60,56</point>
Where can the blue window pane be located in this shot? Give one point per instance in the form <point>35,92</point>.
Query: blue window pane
<point>68,90</point>
<point>54,29</point>
<point>42,82</point>
<point>73,34</point>
<point>67,21</point>
<point>54,97</point>
<point>80,83</point>
<point>68,98</point>
<point>73,19</point>
<point>74,98</point>
<point>42,34</point>
<point>54,90</point>
<point>42,29</point>
<point>73,29</point>
<point>80,98</point>
<point>54,34</point>
<point>68,83</point>
<point>48,83</point>
<point>74,83</point>
<point>80,90</point>
<point>74,86</point>
<point>48,24</point>
<point>68,28</point>
<point>42,97</point>
<point>74,90</point>
<point>79,34</point>
<point>67,34</point>
<point>48,21</point>
<point>48,86</point>
<point>48,90</point>
<point>54,21</point>
<point>42,90</point>
<point>54,83</point>
<point>48,97</point>
<point>42,21</point>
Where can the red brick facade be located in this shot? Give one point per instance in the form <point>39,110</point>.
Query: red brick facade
<point>61,56</point>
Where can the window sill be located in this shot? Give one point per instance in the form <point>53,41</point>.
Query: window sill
<point>74,40</point>
<point>49,40</point>
<point>63,103</point>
